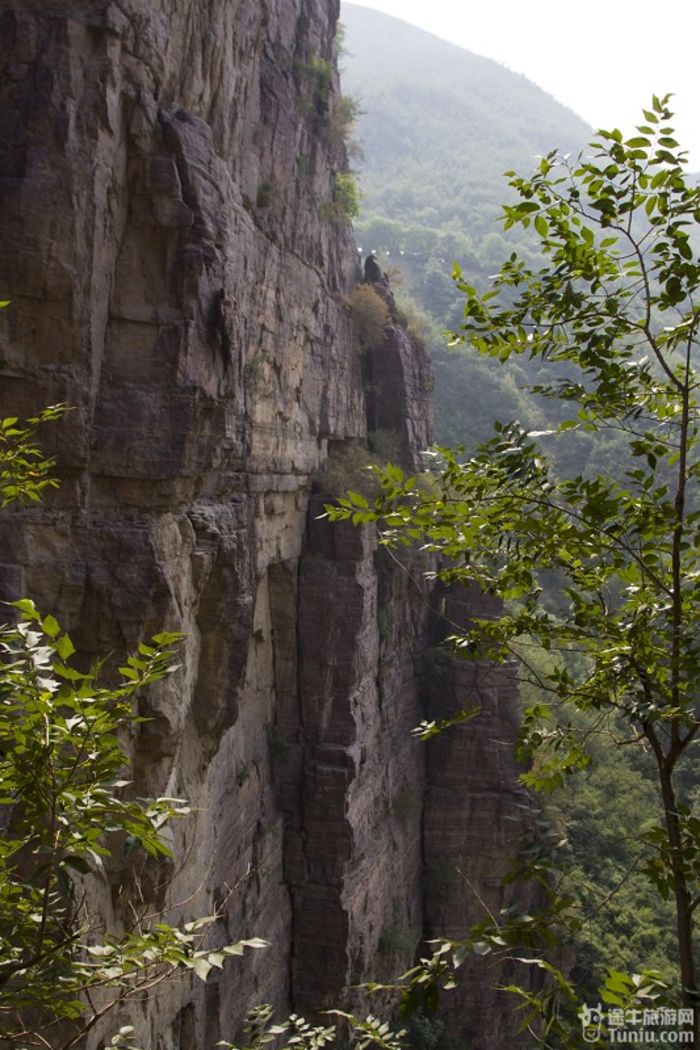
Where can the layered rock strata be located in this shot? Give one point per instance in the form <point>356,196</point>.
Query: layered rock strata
<point>177,271</point>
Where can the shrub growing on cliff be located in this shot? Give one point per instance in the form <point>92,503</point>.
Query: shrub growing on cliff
<point>370,316</point>
<point>296,1033</point>
<point>315,78</point>
<point>24,470</point>
<point>344,202</point>
<point>343,122</point>
<point>348,467</point>
<point>613,317</point>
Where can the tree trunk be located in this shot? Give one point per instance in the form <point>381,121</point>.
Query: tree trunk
<point>684,911</point>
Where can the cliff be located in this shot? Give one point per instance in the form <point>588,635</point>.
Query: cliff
<point>178,274</point>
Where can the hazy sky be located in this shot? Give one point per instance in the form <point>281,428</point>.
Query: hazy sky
<point>602,59</point>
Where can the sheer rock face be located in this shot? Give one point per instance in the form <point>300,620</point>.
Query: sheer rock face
<point>163,170</point>
<point>476,816</point>
<point>397,375</point>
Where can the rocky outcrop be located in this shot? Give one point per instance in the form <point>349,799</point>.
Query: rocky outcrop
<point>398,379</point>
<point>476,819</point>
<point>178,279</point>
<point>353,856</point>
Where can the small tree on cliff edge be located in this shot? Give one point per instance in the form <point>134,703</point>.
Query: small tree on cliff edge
<point>613,318</point>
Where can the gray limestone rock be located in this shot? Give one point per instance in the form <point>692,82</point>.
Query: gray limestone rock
<point>163,170</point>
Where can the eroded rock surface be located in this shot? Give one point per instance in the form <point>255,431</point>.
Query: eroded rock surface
<point>175,279</point>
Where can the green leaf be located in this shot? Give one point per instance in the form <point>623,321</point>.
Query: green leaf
<point>482,948</point>
<point>77,863</point>
<point>358,500</point>
<point>64,647</point>
<point>168,638</point>
<point>201,966</point>
<point>70,674</point>
<point>541,226</point>
<point>51,626</point>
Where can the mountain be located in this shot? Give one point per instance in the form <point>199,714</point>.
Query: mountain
<point>439,126</point>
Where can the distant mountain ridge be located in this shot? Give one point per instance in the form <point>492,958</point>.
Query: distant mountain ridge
<point>440,124</point>
<point>439,127</point>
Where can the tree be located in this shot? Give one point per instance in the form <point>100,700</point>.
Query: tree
<point>65,810</point>
<point>601,568</point>
<point>24,470</point>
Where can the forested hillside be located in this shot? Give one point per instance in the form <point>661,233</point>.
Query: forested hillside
<point>438,126</point>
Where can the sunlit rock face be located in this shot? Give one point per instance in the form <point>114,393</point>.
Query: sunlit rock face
<point>176,280</point>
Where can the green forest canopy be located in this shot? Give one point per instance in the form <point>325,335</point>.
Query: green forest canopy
<point>439,127</point>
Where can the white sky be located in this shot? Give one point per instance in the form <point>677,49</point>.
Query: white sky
<point>602,59</point>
